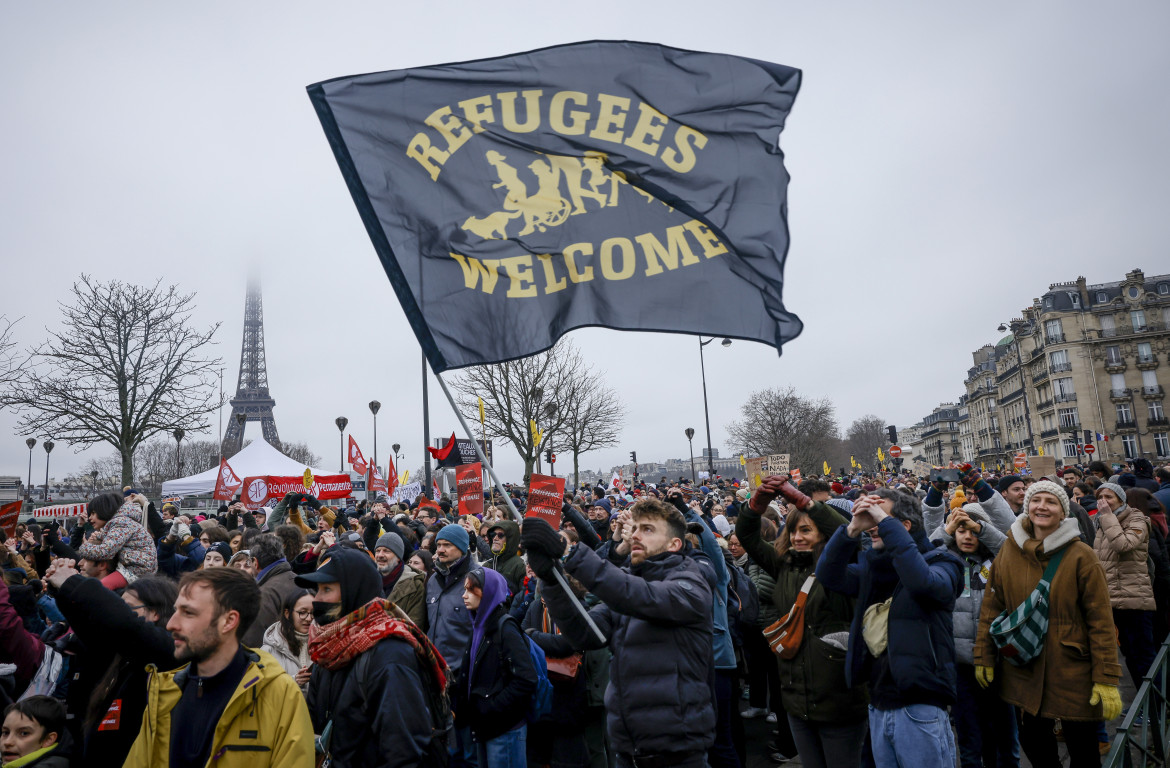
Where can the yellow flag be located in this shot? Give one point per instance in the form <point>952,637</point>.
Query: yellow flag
<point>1041,450</point>
<point>405,477</point>
<point>881,456</point>
<point>853,462</point>
<point>742,461</point>
<point>480,411</point>
<point>982,468</point>
<point>307,480</point>
<point>826,469</point>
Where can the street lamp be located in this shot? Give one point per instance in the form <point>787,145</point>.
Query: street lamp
<point>93,475</point>
<point>31,443</point>
<point>48,450</point>
<point>706,412</point>
<point>690,433</point>
<point>178,433</point>
<point>375,406</point>
<point>341,421</point>
<point>397,458</point>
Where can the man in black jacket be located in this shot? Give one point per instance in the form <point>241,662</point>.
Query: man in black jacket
<point>386,706</point>
<point>656,618</point>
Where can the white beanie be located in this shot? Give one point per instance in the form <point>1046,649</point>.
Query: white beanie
<point>1047,486</point>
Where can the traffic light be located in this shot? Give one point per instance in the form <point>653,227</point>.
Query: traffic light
<point>893,434</point>
<point>552,458</point>
<point>548,456</point>
<point>634,457</point>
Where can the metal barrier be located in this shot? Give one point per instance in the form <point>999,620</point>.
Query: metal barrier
<point>1145,730</point>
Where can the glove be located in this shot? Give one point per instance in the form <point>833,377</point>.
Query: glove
<point>794,497</point>
<point>180,531</point>
<point>310,501</point>
<point>543,545</point>
<point>1109,697</point>
<point>765,492</point>
<point>985,675</point>
<point>968,476</point>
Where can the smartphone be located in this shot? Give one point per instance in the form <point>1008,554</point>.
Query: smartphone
<point>945,475</point>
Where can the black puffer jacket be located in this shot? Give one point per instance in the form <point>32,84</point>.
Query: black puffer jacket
<point>117,646</point>
<point>502,679</point>
<point>657,619</point>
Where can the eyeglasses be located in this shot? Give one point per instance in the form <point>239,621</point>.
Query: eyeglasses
<point>305,614</point>
<point>135,608</point>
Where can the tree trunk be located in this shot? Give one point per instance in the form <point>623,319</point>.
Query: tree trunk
<point>127,467</point>
<point>576,474</point>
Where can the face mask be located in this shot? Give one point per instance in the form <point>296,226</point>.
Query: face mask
<point>326,613</point>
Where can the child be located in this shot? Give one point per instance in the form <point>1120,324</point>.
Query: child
<point>31,732</point>
<point>119,535</point>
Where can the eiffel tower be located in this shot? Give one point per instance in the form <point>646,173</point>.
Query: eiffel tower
<point>252,399</point>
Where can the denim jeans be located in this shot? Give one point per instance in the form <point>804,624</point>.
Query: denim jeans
<point>461,747</point>
<point>508,750</point>
<point>985,724</point>
<point>913,736</point>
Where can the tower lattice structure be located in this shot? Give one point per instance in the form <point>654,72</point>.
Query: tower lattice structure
<point>252,398</point>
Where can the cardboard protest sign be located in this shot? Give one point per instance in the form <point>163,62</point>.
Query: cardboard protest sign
<point>761,466</point>
<point>9,514</point>
<point>545,496</point>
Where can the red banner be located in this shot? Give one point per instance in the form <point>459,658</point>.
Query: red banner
<point>258,490</point>
<point>9,516</point>
<point>356,460</point>
<point>469,482</point>
<point>393,474</point>
<point>376,481</point>
<point>545,497</point>
<point>227,484</point>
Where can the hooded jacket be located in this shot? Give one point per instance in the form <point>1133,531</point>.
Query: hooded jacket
<point>497,680</point>
<point>1123,547</point>
<point>264,725</point>
<point>976,572</point>
<point>123,539</point>
<point>1143,472</point>
<point>508,562</point>
<point>812,683</point>
<point>277,583</point>
<point>377,704</point>
<point>656,618</point>
<point>448,620</point>
<point>277,646</point>
<point>923,582</point>
<point>409,593</point>
<point>1080,648</point>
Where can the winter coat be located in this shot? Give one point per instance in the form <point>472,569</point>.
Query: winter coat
<point>276,645</point>
<point>1080,648</point>
<point>1163,496</point>
<point>114,646</point>
<point>570,697</point>
<point>494,690</point>
<point>1143,472</point>
<point>410,594</point>
<point>508,562</point>
<point>17,645</point>
<point>977,568</point>
<point>380,712</point>
<point>264,725</point>
<point>995,506</point>
<point>765,584</point>
<point>1123,547</point>
<point>656,618</point>
<point>448,620</point>
<point>124,539</point>
<point>812,683</point>
<point>177,558</point>
<point>275,586</point>
<point>712,554</point>
<point>923,582</point>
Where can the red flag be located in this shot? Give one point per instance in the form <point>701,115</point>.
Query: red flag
<point>545,497</point>
<point>435,487</point>
<point>392,473</point>
<point>9,515</point>
<point>356,460</point>
<point>440,454</point>
<point>377,482</point>
<point>469,482</point>
<point>226,484</point>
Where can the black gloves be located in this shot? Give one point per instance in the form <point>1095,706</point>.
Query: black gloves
<point>310,501</point>
<point>543,545</point>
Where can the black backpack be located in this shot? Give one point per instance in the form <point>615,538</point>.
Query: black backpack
<point>741,590</point>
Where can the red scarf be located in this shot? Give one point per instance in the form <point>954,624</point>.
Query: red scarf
<point>340,642</point>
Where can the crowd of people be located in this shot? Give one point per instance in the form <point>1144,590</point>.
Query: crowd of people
<point>870,620</point>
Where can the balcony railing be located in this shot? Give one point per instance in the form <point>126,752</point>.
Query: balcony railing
<point>1061,367</point>
<point>1147,359</point>
<point>1049,433</point>
<point>1065,397</point>
<point>1119,394</point>
<point>1129,424</point>
<point>1039,377</point>
<point>1154,391</point>
<point>1054,338</point>
<point>1070,426</point>
<point>1045,404</point>
<point>1157,421</point>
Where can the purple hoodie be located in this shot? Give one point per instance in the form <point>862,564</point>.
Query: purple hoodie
<point>495,592</point>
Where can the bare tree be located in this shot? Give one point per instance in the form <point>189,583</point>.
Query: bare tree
<point>125,366</point>
<point>9,366</point>
<point>300,452</point>
<point>863,438</point>
<point>782,421</point>
<point>518,393</point>
<point>593,417</point>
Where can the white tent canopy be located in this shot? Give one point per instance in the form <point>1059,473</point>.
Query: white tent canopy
<point>258,458</point>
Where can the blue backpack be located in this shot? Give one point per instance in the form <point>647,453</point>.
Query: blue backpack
<point>541,705</point>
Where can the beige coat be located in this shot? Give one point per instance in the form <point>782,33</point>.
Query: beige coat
<point>1123,546</point>
<point>1080,648</point>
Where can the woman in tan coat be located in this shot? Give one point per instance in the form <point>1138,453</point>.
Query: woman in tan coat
<point>1076,673</point>
<point>1123,546</point>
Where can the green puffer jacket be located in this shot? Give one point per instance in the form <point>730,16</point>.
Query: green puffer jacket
<point>812,684</point>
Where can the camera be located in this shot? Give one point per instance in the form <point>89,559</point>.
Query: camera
<point>945,476</point>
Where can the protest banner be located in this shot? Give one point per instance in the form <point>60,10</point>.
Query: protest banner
<point>377,482</point>
<point>9,515</point>
<point>406,493</point>
<point>545,497</point>
<point>469,482</point>
<point>1042,466</point>
<point>226,484</point>
<point>258,490</point>
<point>761,466</point>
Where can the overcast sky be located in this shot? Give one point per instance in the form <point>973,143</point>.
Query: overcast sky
<point>948,162</point>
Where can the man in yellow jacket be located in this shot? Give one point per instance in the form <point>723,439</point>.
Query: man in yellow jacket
<point>230,706</point>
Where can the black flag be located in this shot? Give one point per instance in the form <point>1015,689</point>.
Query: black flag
<point>617,184</point>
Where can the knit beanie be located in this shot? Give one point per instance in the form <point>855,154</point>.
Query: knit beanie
<point>223,548</point>
<point>1007,481</point>
<point>742,494</point>
<point>328,515</point>
<point>1047,486</point>
<point>393,542</point>
<point>959,499</point>
<point>457,535</point>
<point>1116,490</point>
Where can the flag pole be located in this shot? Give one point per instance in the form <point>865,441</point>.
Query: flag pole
<point>515,513</point>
